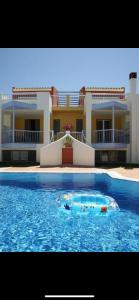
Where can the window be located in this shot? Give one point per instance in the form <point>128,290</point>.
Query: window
<point>24,155</point>
<point>110,156</point>
<point>15,155</point>
<point>18,155</point>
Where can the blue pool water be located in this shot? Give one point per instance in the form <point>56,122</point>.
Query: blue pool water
<point>31,220</point>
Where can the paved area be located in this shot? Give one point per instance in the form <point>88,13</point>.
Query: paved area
<point>126,172</point>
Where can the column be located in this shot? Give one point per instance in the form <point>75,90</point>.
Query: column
<point>134,138</point>
<point>46,127</point>
<point>44,102</point>
<point>0,132</point>
<point>88,120</point>
<point>113,125</point>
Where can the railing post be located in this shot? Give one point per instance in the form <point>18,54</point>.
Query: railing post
<point>113,135</point>
<point>82,136</point>
<point>104,135</point>
<point>68,101</point>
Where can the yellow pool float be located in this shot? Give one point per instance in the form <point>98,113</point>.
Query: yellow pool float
<point>66,197</point>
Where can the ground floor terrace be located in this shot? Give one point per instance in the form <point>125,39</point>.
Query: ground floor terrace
<point>28,155</point>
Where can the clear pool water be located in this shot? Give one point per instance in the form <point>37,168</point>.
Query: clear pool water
<point>30,219</point>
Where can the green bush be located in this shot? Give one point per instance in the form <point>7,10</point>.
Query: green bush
<point>68,140</point>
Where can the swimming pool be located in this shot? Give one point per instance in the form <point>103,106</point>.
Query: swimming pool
<point>30,219</point>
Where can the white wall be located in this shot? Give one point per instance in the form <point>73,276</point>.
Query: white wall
<point>38,146</point>
<point>51,155</point>
<point>0,132</point>
<point>88,108</point>
<point>133,100</point>
<point>83,154</point>
<point>45,103</point>
<point>133,85</point>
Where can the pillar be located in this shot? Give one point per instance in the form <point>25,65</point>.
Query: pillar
<point>88,101</point>
<point>0,133</point>
<point>113,125</point>
<point>46,134</point>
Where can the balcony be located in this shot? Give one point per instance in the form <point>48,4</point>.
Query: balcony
<point>109,137</point>
<point>68,100</point>
<point>22,136</point>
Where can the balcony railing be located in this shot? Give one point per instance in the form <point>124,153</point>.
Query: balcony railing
<point>25,136</point>
<point>110,136</point>
<point>22,136</point>
<point>68,99</point>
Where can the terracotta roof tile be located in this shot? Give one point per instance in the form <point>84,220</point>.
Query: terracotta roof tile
<point>33,89</point>
<point>96,89</point>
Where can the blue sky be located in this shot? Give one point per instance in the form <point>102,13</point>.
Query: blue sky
<point>68,69</point>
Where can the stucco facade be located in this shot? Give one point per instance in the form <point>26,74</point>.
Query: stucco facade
<point>105,119</point>
<point>51,155</point>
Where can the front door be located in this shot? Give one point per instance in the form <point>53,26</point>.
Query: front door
<point>103,134</point>
<point>67,155</point>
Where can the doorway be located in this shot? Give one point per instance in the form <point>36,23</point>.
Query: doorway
<point>79,125</point>
<point>103,133</point>
<point>32,134</point>
<point>32,124</point>
<point>56,125</point>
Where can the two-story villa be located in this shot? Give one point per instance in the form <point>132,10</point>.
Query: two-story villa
<point>105,119</point>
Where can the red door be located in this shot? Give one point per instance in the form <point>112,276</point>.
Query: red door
<point>67,155</point>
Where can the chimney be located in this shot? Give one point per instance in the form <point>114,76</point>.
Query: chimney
<point>133,82</point>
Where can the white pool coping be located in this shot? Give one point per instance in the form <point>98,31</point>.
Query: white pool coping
<point>116,175</point>
<point>112,174</point>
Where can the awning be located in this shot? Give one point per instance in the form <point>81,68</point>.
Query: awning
<point>109,105</point>
<point>18,105</point>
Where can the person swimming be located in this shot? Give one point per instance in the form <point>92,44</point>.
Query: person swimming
<point>67,206</point>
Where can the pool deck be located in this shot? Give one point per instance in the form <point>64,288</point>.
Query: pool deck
<point>119,172</point>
